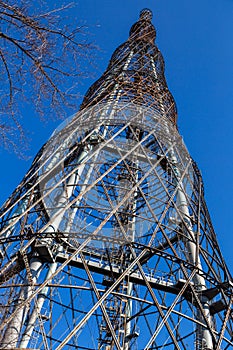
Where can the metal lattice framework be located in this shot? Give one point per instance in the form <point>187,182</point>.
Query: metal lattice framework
<point>107,243</point>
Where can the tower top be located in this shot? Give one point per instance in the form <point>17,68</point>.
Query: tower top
<point>135,73</point>
<point>143,29</point>
<point>146,14</point>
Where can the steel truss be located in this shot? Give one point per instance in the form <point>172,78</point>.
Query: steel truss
<point>107,243</point>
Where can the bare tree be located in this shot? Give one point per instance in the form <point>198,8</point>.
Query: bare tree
<point>40,52</point>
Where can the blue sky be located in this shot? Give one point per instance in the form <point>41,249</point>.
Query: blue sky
<point>195,38</point>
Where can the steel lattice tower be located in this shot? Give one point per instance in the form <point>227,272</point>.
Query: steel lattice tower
<point>107,243</point>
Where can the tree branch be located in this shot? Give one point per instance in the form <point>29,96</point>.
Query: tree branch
<point>9,76</point>
<point>39,53</point>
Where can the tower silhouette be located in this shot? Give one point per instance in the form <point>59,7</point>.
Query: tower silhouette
<point>107,243</point>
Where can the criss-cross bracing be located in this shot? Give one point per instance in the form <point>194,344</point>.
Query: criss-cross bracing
<point>107,243</point>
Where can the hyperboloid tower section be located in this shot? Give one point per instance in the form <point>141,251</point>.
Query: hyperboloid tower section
<point>107,243</point>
